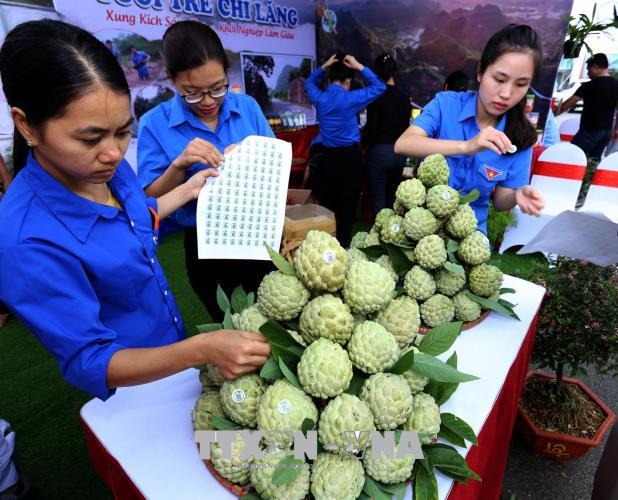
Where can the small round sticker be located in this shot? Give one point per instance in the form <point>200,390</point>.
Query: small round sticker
<point>512,149</point>
<point>284,406</point>
<point>329,256</point>
<point>446,196</point>
<point>395,228</point>
<point>238,396</point>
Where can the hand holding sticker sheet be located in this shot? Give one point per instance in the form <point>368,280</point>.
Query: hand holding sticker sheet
<point>243,209</point>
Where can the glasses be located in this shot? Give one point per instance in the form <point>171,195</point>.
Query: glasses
<point>197,97</point>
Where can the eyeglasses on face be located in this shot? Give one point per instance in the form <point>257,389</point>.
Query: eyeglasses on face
<point>197,97</point>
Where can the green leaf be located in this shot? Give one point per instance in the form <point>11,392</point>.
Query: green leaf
<point>227,320</point>
<point>404,364</point>
<point>250,496</point>
<point>278,335</point>
<point>437,370</point>
<point>494,306</point>
<point>373,489</point>
<point>280,263</point>
<point>374,251</point>
<point>290,377</point>
<point>250,299</point>
<point>425,484</point>
<point>504,291</point>
<point>506,303</point>
<point>356,384</point>
<point>208,327</point>
<point>450,436</point>
<point>287,470</point>
<point>407,246</point>
<point>452,257</point>
<point>452,246</point>
<point>239,299</point>
<point>222,301</point>
<point>307,425</point>
<point>447,460</point>
<point>364,496</point>
<point>470,197</point>
<point>398,292</point>
<point>440,338</point>
<point>400,260</point>
<point>458,426</point>
<point>270,370</point>
<point>393,489</point>
<point>442,391</point>
<point>223,424</point>
<point>455,268</point>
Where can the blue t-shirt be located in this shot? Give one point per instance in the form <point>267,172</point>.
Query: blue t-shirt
<point>84,277</point>
<point>452,116</point>
<point>336,107</point>
<point>166,130</point>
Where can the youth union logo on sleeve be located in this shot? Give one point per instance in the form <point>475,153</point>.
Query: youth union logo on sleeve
<point>491,172</point>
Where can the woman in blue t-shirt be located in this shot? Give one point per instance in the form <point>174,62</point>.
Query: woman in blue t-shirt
<point>190,133</point>
<point>485,135</point>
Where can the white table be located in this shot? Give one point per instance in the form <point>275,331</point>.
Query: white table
<point>147,429</point>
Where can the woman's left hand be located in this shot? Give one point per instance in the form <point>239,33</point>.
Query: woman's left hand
<point>529,200</point>
<point>197,180</point>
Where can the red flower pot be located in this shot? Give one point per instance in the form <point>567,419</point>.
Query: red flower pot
<point>558,446</point>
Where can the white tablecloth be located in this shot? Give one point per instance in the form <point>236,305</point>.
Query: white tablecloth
<point>148,428</point>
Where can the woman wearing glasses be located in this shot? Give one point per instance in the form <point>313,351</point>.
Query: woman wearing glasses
<point>190,133</point>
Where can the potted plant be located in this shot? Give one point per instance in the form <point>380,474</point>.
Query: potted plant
<point>577,327</point>
<point>580,28</point>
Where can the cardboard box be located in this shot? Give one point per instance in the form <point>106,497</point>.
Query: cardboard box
<point>300,219</point>
<point>298,196</point>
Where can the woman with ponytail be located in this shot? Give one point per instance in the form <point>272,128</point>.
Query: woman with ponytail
<point>485,135</point>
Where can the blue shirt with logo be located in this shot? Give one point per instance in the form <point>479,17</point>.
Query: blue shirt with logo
<point>84,277</point>
<point>336,107</point>
<point>166,130</point>
<point>452,116</point>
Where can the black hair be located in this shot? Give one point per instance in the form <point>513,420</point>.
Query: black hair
<point>515,38</point>
<point>73,63</point>
<point>599,59</point>
<point>189,45</point>
<point>339,72</point>
<point>385,66</point>
<point>457,81</point>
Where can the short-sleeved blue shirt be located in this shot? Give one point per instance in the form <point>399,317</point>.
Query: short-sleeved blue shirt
<point>84,277</point>
<point>452,116</point>
<point>165,131</point>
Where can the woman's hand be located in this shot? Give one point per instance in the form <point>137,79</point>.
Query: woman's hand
<point>331,60</point>
<point>351,62</point>
<point>198,151</point>
<point>529,200</point>
<point>488,138</point>
<point>195,183</point>
<point>235,352</point>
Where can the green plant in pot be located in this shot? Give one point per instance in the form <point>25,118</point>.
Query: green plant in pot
<point>581,27</point>
<point>577,328</point>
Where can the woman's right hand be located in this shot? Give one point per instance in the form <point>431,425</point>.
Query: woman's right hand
<point>488,138</point>
<point>198,151</point>
<point>236,352</point>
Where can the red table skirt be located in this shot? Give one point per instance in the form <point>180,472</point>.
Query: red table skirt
<point>488,459</point>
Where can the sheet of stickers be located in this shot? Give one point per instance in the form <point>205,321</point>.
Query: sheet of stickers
<point>243,209</point>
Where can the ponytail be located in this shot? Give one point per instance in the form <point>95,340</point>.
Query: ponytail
<point>518,128</point>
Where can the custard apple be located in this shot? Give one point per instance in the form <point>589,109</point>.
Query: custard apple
<point>320,262</point>
<point>433,170</point>
<point>241,397</point>
<point>419,284</point>
<point>213,376</point>
<point>449,283</point>
<point>442,200</point>
<point>425,418</point>
<point>233,469</point>
<point>372,240</point>
<point>465,308</point>
<point>430,252</point>
<point>389,470</point>
<point>326,316</point>
<point>341,417</point>
<point>389,399</point>
<point>297,337</point>
<point>485,280</point>
<point>206,405</point>
<point>399,208</point>
<point>249,319</point>
<point>437,309</point>
<point>372,348</point>
<point>368,287</point>
<point>462,223</point>
<point>416,381</point>
<point>262,478</point>
<point>392,230</point>
<point>411,193</point>
<point>337,477</point>
<point>419,222</point>
<point>382,216</point>
<point>358,239</point>
<point>281,297</point>
<point>282,411</point>
<point>474,249</point>
<point>401,317</point>
<point>325,369</point>
<point>385,263</point>
<point>356,254</point>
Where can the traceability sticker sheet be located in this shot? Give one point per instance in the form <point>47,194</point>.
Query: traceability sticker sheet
<point>243,209</point>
